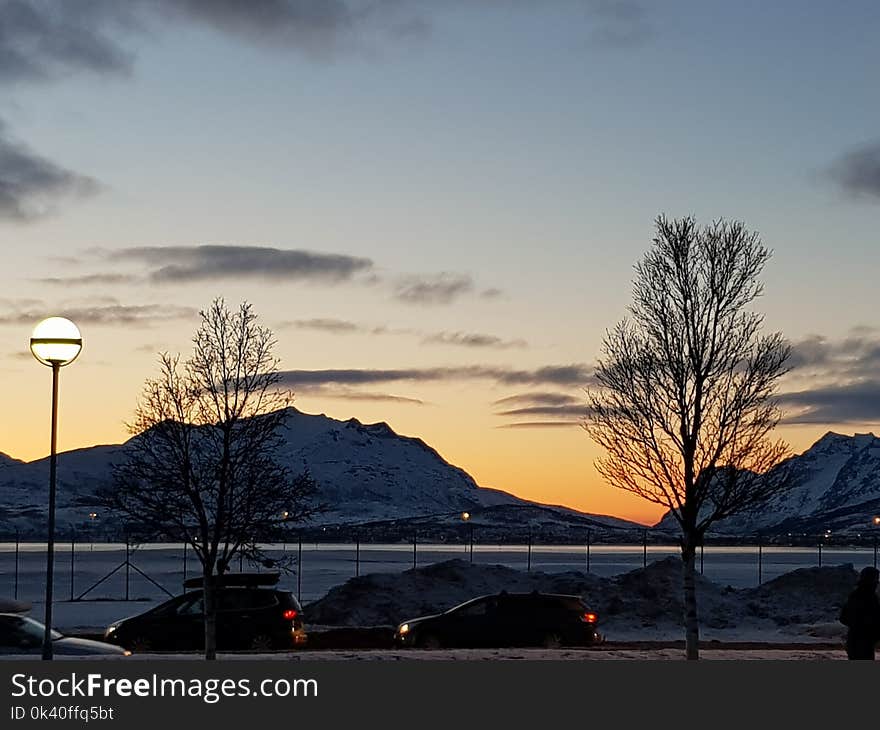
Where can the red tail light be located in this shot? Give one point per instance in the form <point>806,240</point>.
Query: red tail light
<point>290,614</point>
<point>589,618</point>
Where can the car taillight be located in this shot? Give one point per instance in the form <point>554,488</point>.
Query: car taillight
<point>290,614</point>
<point>589,618</point>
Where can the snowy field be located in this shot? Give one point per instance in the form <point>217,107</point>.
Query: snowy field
<point>325,566</point>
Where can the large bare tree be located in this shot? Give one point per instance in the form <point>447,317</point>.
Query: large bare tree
<point>202,466</point>
<point>684,401</point>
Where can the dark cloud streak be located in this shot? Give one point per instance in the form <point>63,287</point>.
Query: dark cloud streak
<point>857,172</point>
<point>184,264</point>
<point>31,187</point>
<point>558,374</point>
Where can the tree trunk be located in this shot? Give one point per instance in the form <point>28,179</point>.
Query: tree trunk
<point>210,616</point>
<point>691,622</point>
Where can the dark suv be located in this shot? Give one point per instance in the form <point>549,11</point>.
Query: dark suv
<point>506,619</point>
<point>251,615</point>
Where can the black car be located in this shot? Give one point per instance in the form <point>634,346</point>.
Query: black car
<point>22,635</point>
<point>506,619</point>
<point>252,614</point>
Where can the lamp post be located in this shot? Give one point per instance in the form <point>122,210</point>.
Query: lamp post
<point>55,342</point>
<point>466,517</point>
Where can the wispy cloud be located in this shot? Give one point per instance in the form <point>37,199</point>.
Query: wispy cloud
<point>564,409</point>
<point>32,187</point>
<point>538,424</point>
<point>619,23</point>
<point>857,172</point>
<point>344,393</point>
<point>335,326</point>
<point>854,356</point>
<point>430,289</point>
<point>473,339</point>
<point>184,264</point>
<point>144,315</point>
<point>857,402</point>
<point>577,374</point>
<point>89,280</point>
<point>40,41</point>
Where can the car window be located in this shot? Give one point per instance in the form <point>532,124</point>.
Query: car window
<point>191,607</point>
<point>481,607</point>
<point>19,631</point>
<point>244,600</point>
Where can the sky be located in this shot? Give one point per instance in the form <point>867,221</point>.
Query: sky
<point>436,206</point>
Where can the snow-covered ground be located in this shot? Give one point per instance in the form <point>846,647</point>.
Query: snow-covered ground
<point>792,605</point>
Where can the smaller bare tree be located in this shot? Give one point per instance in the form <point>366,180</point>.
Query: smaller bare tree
<point>203,465</point>
<point>684,404</point>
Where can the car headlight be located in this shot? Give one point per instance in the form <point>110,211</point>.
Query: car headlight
<point>404,629</point>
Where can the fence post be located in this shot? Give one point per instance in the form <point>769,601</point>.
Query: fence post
<point>185,545</point>
<point>17,538</point>
<point>299,569</point>
<point>529,558</point>
<point>701,556</point>
<point>644,548</point>
<point>588,551</point>
<point>414,549</point>
<point>357,556</point>
<point>820,554</point>
<point>127,565</point>
<point>875,552</point>
<point>72,558</point>
<point>760,560</point>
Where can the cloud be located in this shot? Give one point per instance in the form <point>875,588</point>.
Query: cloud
<point>40,41</point>
<point>857,172</point>
<point>107,314</point>
<point>443,288</point>
<point>557,374</point>
<point>471,339</point>
<point>855,356</point>
<point>564,408</point>
<point>537,399</point>
<point>491,293</point>
<point>334,326</point>
<point>325,391</point>
<point>89,280</point>
<point>538,424</point>
<point>619,23</point>
<point>31,187</point>
<point>325,324</point>
<point>857,402</point>
<point>185,264</point>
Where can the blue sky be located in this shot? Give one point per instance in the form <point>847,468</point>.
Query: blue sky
<point>515,151</point>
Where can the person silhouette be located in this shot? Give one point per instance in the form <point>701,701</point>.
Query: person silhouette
<point>861,615</point>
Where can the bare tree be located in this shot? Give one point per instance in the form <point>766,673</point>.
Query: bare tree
<point>202,465</point>
<point>685,403</point>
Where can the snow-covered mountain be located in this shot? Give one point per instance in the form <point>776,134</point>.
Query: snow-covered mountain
<point>836,487</point>
<point>364,472</point>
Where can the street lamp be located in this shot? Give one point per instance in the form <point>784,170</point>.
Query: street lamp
<point>55,342</point>
<point>466,517</point>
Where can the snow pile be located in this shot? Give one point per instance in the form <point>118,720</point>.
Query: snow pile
<point>644,603</point>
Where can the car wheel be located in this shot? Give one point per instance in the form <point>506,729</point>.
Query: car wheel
<point>262,642</point>
<point>430,641</point>
<point>140,645</point>
<point>551,641</point>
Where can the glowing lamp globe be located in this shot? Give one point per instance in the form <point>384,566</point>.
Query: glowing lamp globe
<point>56,341</point>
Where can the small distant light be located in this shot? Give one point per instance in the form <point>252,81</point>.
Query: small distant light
<point>465,516</point>
<point>404,629</point>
